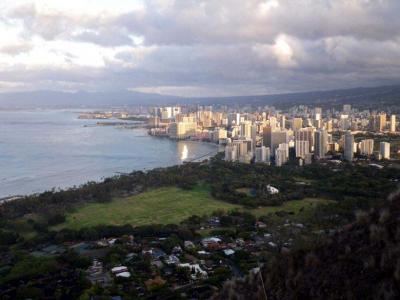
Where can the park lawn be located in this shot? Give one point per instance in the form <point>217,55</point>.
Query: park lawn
<point>166,205</point>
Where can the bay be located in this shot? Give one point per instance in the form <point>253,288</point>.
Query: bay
<point>41,150</point>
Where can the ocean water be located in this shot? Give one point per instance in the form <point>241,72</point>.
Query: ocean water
<point>40,150</point>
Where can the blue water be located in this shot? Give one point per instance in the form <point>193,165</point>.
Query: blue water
<point>40,150</point>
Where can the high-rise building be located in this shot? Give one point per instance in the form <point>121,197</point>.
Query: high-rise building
<point>382,122</point>
<point>231,152</point>
<point>329,126</point>
<point>302,148</point>
<point>348,146</point>
<point>273,123</point>
<point>366,147</point>
<point>306,134</point>
<point>245,129</point>
<point>244,150</point>
<point>219,134</point>
<point>277,138</point>
<point>233,119</point>
<point>283,122</point>
<point>385,150</point>
<point>393,123</point>
<point>297,124</point>
<point>254,131</point>
<point>320,143</point>
<point>281,156</point>
<point>267,136</point>
<point>182,130</point>
<point>262,154</point>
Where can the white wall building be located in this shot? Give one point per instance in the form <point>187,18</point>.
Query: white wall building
<point>385,150</point>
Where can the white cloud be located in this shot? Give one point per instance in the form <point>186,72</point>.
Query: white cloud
<point>198,47</point>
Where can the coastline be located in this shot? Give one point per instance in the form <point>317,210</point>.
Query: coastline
<point>10,198</point>
<point>65,154</point>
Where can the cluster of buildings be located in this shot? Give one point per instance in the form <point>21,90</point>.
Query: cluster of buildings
<point>201,257</point>
<point>267,135</point>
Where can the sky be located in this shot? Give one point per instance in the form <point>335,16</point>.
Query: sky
<point>194,48</point>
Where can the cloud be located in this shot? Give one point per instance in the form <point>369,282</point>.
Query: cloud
<point>16,48</point>
<point>191,47</point>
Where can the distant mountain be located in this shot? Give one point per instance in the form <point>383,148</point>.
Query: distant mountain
<point>54,99</point>
<point>371,97</point>
<point>367,97</point>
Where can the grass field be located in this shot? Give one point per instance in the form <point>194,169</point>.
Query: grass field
<point>165,205</point>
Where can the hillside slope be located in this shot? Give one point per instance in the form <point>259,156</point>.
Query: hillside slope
<point>362,261</point>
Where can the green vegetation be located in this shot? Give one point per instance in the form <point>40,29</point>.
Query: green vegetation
<point>167,205</point>
<point>164,207</point>
<point>295,206</point>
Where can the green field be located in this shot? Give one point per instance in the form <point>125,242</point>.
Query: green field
<point>165,205</point>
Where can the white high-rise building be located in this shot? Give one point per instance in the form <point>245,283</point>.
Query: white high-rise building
<point>366,147</point>
<point>348,146</point>
<point>233,119</point>
<point>302,148</point>
<point>231,152</point>
<point>245,129</point>
<point>385,150</point>
<point>182,130</point>
<point>306,134</point>
<point>283,122</point>
<point>219,134</point>
<point>297,123</point>
<point>262,154</point>
<point>393,123</point>
<point>281,156</point>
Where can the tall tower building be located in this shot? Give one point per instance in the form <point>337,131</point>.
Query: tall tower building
<point>382,122</point>
<point>277,138</point>
<point>393,123</point>
<point>297,124</point>
<point>367,147</point>
<point>267,136</point>
<point>245,129</point>
<point>283,122</point>
<point>281,155</point>
<point>348,146</point>
<point>329,126</point>
<point>233,119</point>
<point>321,142</point>
<point>385,150</point>
<point>231,152</point>
<point>302,148</point>
<point>306,134</point>
<point>262,154</point>
<point>273,122</point>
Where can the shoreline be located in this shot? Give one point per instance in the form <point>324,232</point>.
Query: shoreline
<point>208,155</point>
<point>19,190</point>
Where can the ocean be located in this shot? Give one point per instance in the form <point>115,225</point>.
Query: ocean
<point>45,149</point>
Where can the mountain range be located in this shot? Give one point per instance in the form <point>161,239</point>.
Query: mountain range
<point>368,97</point>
